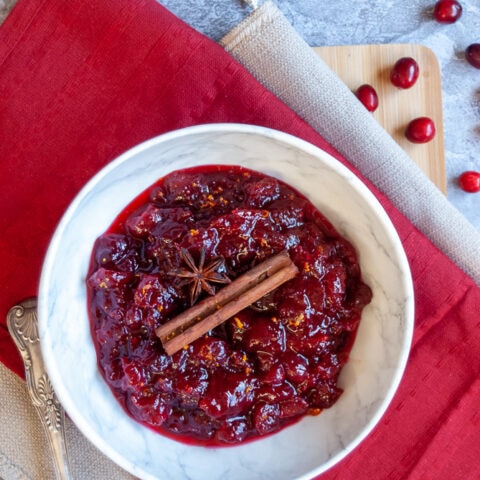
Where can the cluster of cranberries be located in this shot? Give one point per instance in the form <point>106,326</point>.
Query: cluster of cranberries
<point>404,74</point>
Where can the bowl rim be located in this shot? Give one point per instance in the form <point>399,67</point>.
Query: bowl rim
<point>234,128</point>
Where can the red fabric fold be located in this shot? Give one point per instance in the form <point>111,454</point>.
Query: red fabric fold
<point>80,82</point>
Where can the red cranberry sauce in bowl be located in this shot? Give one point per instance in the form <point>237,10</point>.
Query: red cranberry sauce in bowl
<point>264,368</point>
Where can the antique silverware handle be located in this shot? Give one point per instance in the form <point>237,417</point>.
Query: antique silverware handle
<point>23,327</point>
<point>252,3</point>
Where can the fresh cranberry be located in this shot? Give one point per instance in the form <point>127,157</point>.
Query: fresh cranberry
<point>368,96</point>
<point>447,11</point>
<point>472,54</point>
<point>405,72</point>
<point>420,130</point>
<point>469,181</point>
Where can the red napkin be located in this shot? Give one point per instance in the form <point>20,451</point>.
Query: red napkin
<point>81,82</point>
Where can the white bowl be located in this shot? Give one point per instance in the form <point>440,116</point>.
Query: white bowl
<point>369,379</point>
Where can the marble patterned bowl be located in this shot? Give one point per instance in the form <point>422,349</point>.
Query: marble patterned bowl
<point>369,379</point>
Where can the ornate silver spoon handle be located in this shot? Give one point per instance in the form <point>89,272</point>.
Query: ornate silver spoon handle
<point>23,327</point>
<point>252,3</point>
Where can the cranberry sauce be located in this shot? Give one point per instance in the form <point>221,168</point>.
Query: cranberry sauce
<point>263,369</point>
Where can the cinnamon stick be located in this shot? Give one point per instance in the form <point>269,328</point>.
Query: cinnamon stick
<point>237,287</point>
<point>211,312</point>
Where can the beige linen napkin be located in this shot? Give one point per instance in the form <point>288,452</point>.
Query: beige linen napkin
<point>27,457</point>
<point>269,47</point>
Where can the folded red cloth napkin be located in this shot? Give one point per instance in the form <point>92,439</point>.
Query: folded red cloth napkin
<point>81,82</point>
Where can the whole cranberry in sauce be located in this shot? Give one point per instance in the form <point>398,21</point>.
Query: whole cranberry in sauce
<point>447,11</point>
<point>420,130</point>
<point>368,96</point>
<point>405,72</point>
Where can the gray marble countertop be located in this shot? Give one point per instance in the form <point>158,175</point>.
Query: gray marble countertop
<point>356,22</point>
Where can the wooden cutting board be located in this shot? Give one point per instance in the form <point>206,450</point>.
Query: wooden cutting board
<point>358,64</point>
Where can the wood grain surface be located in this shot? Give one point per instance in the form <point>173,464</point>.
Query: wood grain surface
<point>358,64</point>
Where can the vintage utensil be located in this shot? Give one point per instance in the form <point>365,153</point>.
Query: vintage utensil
<point>23,327</point>
<point>252,3</point>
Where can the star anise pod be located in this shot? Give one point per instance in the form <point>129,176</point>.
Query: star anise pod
<point>202,276</point>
